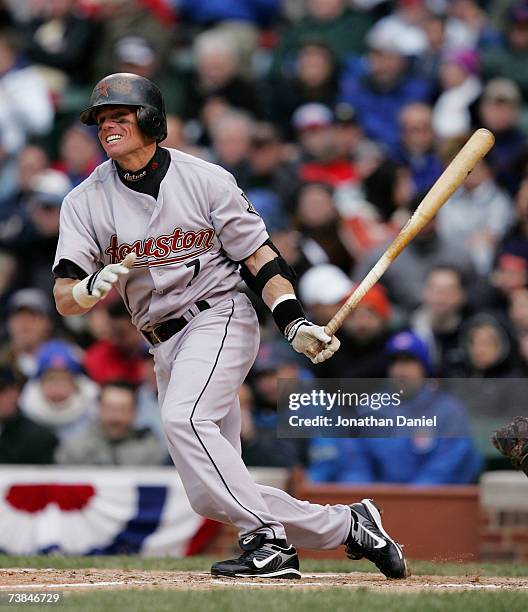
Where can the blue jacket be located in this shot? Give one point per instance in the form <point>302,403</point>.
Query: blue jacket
<point>260,12</point>
<point>421,460</point>
<point>378,110</point>
<point>425,169</point>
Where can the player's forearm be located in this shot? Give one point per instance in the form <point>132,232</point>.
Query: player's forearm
<point>277,285</point>
<point>64,300</point>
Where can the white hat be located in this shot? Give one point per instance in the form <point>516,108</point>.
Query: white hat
<point>50,187</point>
<point>324,284</point>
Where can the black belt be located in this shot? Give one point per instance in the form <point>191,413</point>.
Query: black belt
<point>167,329</point>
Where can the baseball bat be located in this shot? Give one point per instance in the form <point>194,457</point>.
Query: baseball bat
<point>450,180</point>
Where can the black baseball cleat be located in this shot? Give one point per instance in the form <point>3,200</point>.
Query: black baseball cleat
<point>261,558</point>
<point>368,539</point>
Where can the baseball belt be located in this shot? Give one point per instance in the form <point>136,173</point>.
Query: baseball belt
<point>167,329</point>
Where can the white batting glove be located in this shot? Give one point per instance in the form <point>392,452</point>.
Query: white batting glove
<point>96,286</point>
<point>302,334</point>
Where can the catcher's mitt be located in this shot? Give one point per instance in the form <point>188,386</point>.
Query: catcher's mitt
<point>512,441</point>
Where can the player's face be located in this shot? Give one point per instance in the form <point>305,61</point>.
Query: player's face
<point>118,131</point>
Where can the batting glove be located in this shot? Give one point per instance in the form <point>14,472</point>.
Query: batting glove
<point>96,286</point>
<point>302,335</point>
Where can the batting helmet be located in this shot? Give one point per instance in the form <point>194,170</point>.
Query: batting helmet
<point>126,89</point>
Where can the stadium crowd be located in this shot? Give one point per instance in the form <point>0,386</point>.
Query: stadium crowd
<point>335,117</point>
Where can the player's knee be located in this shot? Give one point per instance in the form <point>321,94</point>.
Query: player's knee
<point>185,428</point>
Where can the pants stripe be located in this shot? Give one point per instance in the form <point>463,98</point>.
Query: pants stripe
<point>201,441</point>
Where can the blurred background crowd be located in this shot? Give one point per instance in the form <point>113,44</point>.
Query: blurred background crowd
<point>335,117</point>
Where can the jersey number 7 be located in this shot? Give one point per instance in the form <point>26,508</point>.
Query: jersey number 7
<point>195,263</point>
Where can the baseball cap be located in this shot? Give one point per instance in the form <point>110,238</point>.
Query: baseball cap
<point>34,300</point>
<point>376,299</point>
<point>134,50</point>
<point>312,115</point>
<point>50,187</point>
<point>466,59</point>
<point>57,355</point>
<point>324,284</point>
<point>407,343</point>
<point>386,39</point>
<point>502,90</point>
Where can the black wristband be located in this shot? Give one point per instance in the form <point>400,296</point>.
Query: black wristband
<point>286,312</point>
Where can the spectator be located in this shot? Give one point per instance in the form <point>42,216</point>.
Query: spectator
<point>347,131</point>
<point>313,79</point>
<point>319,222</point>
<point>121,355</point>
<point>365,331</point>
<point>217,76</point>
<point>490,352</point>
<point>60,396</point>
<point>405,278</point>
<point>62,39</point>
<point>120,18</point>
<point>405,24</point>
<point>231,143</point>
<point>177,137</point>
<point>518,312</point>
<point>239,19</point>
<point>274,362</point>
<point>499,111</point>
<point>342,28</point>
<point>510,60</point>
<point>417,148</point>
<point>80,153</point>
<point>260,445</point>
<point>29,325</point>
<point>438,321</point>
<point>35,230</point>
<point>134,53</point>
<point>269,174</point>
<point>510,273</point>
<point>516,240</point>
<point>477,216</point>
<point>468,26</point>
<point>25,105</point>
<point>31,161</point>
<point>390,190</point>
<point>321,159</point>
<point>113,440</point>
<point>380,85</point>
<point>21,440</point>
<point>422,459</point>
<point>461,86</point>
<point>434,27</point>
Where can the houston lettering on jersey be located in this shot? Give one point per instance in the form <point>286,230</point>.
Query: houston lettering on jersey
<point>159,251</point>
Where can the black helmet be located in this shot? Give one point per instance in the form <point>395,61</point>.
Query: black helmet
<point>128,89</point>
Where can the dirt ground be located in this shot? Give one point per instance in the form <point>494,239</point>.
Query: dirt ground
<point>89,579</point>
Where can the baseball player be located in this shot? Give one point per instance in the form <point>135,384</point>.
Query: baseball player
<point>174,234</point>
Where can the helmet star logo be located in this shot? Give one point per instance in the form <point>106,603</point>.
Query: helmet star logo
<point>102,90</point>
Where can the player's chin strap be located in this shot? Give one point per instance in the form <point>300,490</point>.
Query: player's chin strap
<point>286,309</point>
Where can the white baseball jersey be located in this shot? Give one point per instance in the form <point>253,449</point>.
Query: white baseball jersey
<point>187,241</point>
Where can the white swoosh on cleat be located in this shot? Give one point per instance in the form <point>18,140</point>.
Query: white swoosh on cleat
<point>260,564</point>
<point>380,541</point>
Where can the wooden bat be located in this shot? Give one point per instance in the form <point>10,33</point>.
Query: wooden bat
<point>453,176</point>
